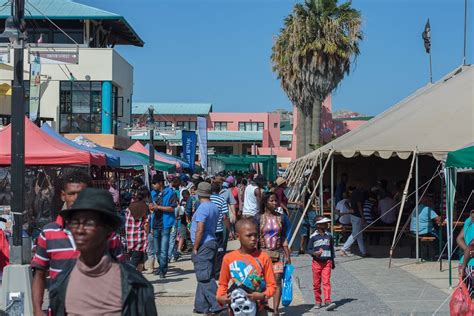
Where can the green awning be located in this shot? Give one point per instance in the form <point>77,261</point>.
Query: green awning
<point>461,159</point>
<point>162,166</point>
<point>243,163</point>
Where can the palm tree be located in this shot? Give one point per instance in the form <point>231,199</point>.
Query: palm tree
<point>311,56</point>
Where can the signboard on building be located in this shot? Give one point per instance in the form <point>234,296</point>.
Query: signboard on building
<point>55,58</point>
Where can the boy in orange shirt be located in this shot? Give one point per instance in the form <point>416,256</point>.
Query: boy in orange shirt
<point>249,271</point>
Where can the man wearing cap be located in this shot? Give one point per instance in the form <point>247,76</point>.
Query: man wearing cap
<point>203,235</point>
<point>252,197</point>
<point>95,283</point>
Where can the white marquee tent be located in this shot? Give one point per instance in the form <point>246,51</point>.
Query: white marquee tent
<point>435,120</point>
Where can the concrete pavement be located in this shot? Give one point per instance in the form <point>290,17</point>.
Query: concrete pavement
<point>361,286</point>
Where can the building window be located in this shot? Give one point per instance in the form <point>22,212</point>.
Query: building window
<point>80,106</point>
<point>220,126</point>
<point>186,125</point>
<point>250,126</point>
<point>164,124</point>
<point>275,125</point>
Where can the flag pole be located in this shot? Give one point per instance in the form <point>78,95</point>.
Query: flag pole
<point>431,69</point>
<point>465,32</point>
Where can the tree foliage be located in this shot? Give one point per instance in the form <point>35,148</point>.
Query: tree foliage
<point>313,51</point>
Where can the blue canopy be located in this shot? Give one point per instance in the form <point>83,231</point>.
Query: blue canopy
<point>182,162</point>
<point>125,160</point>
<point>112,161</point>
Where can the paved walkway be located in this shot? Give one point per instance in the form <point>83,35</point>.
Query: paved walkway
<point>360,287</point>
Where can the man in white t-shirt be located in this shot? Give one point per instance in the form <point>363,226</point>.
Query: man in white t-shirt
<point>386,210</point>
<point>344,210</point>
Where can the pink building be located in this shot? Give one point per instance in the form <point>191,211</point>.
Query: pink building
<point>233,132</point>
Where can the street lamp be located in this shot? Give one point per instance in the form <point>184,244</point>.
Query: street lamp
<point>16,287</point>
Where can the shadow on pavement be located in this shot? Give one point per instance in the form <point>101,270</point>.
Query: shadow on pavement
<point>344,301</point>
<point>298,309</point>
<point>170,280</point>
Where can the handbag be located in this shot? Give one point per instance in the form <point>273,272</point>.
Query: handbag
<point>461,303</point>
<point>287,288</point>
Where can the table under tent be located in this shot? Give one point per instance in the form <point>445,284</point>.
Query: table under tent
<point>459,161</point>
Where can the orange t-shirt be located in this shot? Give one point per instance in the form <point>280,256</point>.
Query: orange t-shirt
<point>253,270</point>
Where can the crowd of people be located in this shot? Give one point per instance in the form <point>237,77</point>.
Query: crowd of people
<point>109,239</point>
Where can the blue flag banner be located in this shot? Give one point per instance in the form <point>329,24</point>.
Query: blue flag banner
<point>189,140</point>
<point>202,133</point>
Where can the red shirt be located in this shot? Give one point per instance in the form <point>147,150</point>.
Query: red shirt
<point>55,248</point>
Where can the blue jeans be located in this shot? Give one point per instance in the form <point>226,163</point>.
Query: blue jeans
<point>173,250</point>
<point>161,239</point>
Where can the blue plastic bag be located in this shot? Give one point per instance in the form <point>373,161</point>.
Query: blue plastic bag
<point>287,288</point>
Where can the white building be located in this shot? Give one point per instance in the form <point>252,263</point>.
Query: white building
<point>93,96</point>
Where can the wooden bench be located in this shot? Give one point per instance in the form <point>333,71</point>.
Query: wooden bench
<point>340,229</point>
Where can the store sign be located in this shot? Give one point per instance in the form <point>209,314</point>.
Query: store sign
<point>55,58</point>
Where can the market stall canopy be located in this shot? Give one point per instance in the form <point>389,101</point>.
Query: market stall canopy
<point>139,148</point>
<point>112,161</point>
<point>42,149</point>
<point>243,163</point>
<point>127,160</point>
<point>183,164</point>
<point>435,120</point>
<point>159,165</point>
<point>462,158</point>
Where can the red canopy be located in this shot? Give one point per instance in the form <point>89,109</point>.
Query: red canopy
<point>42,149</point>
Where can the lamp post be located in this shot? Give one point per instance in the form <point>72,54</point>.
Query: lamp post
<point>151,127</point>
<point>16,289</point>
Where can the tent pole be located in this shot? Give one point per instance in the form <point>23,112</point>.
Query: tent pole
<point>332,196</point>
<point>308,203</point>
<point>321,200</point>
<point>402,205</point>
<point>417,212</point>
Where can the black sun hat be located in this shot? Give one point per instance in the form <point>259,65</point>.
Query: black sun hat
<point>100,201</point>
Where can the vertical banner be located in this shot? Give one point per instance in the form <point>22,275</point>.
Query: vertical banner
<point>189,147</point>
<point>35,87</point>
<point>202,140</point>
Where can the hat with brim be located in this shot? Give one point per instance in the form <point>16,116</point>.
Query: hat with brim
<point>95,200</point>
<point>204,189</point>
<point>279,181</point>
<point>323,220</point>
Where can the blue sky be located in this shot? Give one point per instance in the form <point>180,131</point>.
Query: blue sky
<point>218,51</point>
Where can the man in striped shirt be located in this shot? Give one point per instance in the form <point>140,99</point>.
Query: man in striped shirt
<point>222,219</point>
<point>55,246</point>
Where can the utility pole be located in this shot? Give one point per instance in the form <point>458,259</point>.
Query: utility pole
<point>151,128</point>
<point>18,138</point>
<point>16,289</point>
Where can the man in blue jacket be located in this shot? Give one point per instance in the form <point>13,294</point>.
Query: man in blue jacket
<point>165,201</point>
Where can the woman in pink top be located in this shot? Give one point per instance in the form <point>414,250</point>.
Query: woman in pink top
<point>273,240</point>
